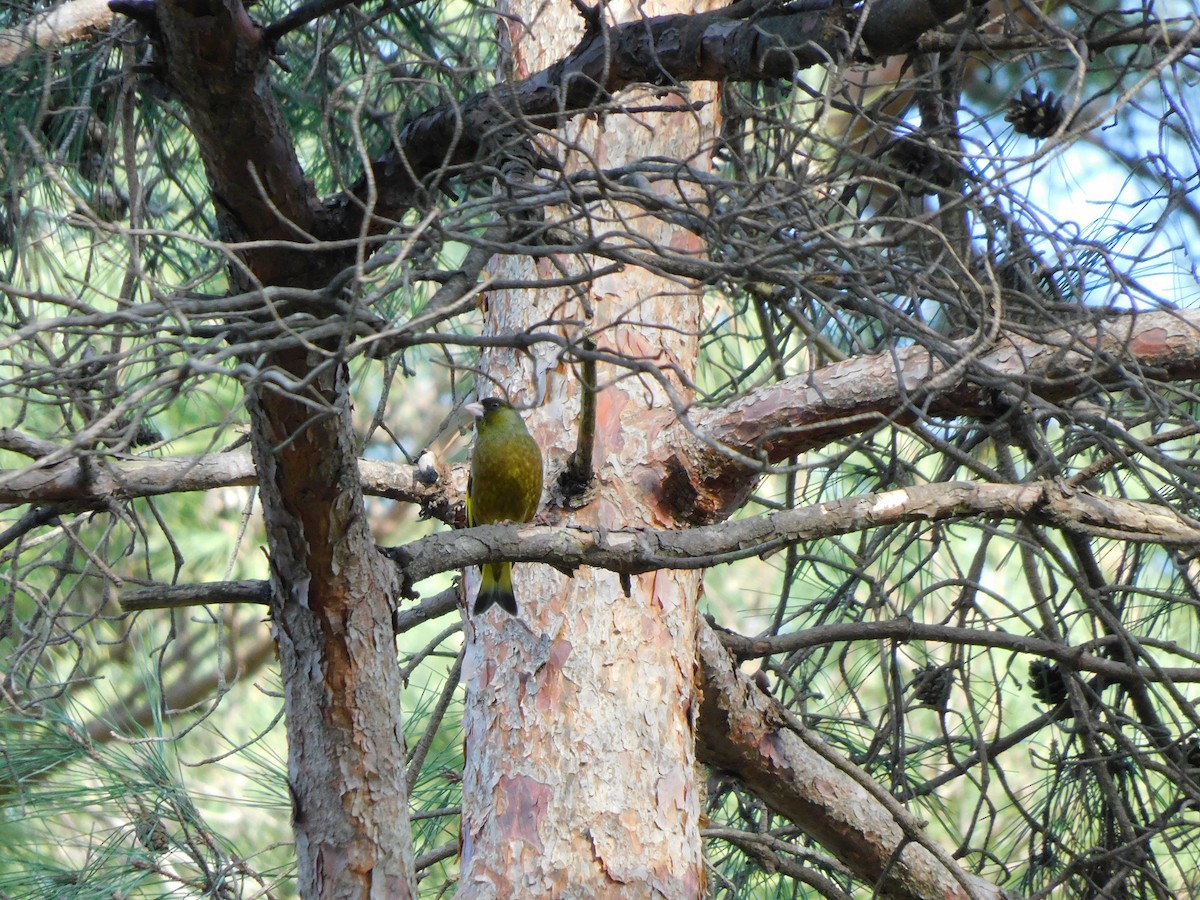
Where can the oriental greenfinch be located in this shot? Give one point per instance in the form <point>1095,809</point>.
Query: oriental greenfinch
<point>505,486</point>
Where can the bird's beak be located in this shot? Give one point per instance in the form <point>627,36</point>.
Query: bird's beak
<point>475,409</point>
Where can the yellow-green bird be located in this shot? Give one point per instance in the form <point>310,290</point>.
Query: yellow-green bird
<point>505,486</point>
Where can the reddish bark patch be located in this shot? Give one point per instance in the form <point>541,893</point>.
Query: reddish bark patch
<point>520,806</point>
<point>550,676</point>
<point>1149,342</point>
<point>610,407</point>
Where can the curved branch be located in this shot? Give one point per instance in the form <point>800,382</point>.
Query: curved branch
<point>806,412</point>
<point>734,43</point>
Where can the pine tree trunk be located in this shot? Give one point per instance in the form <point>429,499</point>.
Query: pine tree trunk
<point>332,592</point>
<point>580,773</point>
<point>331,617</point>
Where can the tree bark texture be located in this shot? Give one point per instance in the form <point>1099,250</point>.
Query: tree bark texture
<point>332,592</point>
<point>580,747</point>
<point>331,614</point>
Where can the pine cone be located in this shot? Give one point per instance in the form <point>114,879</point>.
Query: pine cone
<point>1035,115</point>
<point>931,686</point>
<point>1048,682</point>
<point>928,166</point>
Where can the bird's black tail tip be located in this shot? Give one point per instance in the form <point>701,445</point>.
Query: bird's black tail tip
<point>498,597</point>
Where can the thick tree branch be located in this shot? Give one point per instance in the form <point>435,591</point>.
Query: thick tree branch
<point>260,191</point>
<point>745,731</point>
<point>177,596</point>
<point>63,24</point>
<point>307,12</point>
<point>734,43</point>
<point>805,412</point>
<point>92,482</point>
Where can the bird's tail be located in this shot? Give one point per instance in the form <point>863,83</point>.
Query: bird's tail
<point>496,588</point>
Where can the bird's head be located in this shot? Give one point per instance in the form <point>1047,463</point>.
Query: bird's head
<point>492,411</point>
<point>485,406</point>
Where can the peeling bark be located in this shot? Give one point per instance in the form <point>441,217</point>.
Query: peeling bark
<point>332,592</point>
<point>580,745</point>
<point>331,612</point>
<point>721,457</point>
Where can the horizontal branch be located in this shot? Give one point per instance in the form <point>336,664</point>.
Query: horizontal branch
<point>739,42</point>
<point>1078,658</point>
<point>63,24</point>
<point>216,593</point>
<point>632,552</point>
<point>1163,34</point>
<point>91,482</point>
<point>176,596</point>
<point>808,411</point>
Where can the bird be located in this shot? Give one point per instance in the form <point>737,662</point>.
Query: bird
<point>505,485</point>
